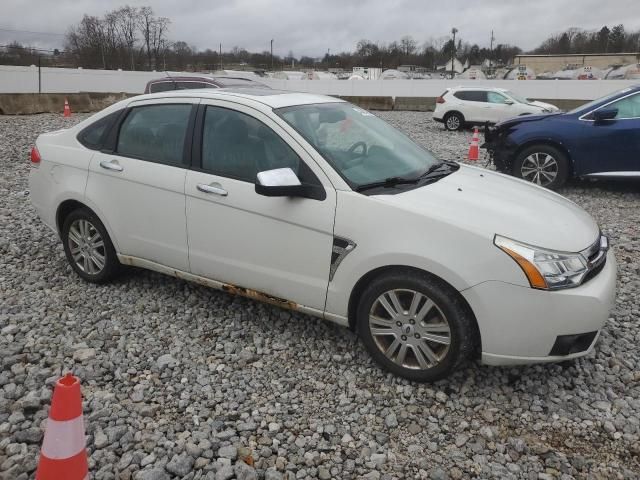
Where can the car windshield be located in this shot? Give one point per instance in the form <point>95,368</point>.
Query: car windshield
<point>361,147</point>
<point>516,97</point>
<point>591,104</point>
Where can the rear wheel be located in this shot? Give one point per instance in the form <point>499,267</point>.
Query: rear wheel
<point>415,326</point>
<point>453,121</point>
<point>543,165</point>
<point>88,247</point>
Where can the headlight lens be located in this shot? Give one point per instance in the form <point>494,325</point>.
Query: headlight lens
<point>545,269</point>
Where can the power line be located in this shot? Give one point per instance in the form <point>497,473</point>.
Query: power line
<point>31,32</point>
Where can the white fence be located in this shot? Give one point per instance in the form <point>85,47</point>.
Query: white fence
<point>67,80</point>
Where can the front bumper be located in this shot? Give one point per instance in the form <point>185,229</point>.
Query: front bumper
<point>520,325</point>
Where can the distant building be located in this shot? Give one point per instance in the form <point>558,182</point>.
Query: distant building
<point>457,66</point>
<point>553,63</point>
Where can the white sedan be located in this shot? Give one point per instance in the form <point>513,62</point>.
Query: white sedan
<point>461,106</point>
<point>311,203</point>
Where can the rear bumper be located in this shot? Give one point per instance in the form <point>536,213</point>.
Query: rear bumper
<point>520,325</point>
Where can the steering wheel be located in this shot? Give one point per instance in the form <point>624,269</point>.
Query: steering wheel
<point>354,147</point>
<point>354,157</point>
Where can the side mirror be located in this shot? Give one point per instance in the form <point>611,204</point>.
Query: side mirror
<point>603,114</point>
<point>508,102</point>
<point>283,182</point>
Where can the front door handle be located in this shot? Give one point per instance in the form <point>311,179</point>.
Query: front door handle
<point>214,188</point>
<point>111,165</point>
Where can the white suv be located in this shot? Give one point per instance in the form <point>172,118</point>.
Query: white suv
<point>461,106</point>
<point>313,204</point>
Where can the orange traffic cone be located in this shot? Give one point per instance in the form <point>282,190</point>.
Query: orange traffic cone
<point>63,453</point>
<point>67,109</point>
<point>474,148</point>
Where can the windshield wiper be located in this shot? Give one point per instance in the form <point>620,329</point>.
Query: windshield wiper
<point>430,173</point>
<point>387,183</point>
<point>452,166</point>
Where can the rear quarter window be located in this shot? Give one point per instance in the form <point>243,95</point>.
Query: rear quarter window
<point>94,135</point>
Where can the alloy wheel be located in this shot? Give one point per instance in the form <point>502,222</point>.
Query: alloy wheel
<point>540,168</point>
<point>409,329</point>
<point>87,247</point>
<point>453,122</point>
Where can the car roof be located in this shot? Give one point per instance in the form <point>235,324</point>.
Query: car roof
<point>265,96</point>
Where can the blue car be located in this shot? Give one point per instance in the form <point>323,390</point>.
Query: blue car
<point>598,139</point>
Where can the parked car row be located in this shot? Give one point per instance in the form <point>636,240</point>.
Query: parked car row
<point>539,143</point>
<point>311,203</point>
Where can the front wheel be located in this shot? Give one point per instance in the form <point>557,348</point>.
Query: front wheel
<point>543,165</point>
<point>415,326</point>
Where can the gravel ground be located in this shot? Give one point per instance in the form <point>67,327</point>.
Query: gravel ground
<point>181,381</point>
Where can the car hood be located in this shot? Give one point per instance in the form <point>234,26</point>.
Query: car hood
<point>526,118</point>
<point>487,203</point>
<point>544,105</point>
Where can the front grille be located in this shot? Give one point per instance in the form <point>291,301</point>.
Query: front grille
<point>596,256</point>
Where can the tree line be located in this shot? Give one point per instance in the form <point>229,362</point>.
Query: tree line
<point>134,38</point>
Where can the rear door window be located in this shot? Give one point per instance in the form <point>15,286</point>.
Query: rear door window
<point>155,133</point>
<point>471,95</point>
<point>162,87</point>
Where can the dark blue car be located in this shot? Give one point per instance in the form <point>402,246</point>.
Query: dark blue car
<point>599,139</point>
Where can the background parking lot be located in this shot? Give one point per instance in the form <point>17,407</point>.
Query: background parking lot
<point>180,381</point>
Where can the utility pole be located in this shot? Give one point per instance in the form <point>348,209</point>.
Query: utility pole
<point>491,50</point>
<point>39,73</point>
<point>454,30</point>
<point>272,54</point>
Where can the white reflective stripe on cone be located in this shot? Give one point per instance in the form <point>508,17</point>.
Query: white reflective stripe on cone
<point>63,439</point>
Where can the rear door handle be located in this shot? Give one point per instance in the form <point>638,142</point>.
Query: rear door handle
<point>111,165</point>
<point>214,188</point>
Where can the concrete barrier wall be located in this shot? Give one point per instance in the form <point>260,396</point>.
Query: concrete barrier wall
<point>29,103</point>
<point>68,80</point>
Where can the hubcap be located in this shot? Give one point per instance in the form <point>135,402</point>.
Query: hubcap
<point>409,329</point>
<point>453,122</point>
<point>87,247</point>
<point>540,168</point>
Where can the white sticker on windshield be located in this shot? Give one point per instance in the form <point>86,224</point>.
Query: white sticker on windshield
<point>362,112</point>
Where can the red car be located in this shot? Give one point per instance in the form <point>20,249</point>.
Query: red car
<point>183,83</point>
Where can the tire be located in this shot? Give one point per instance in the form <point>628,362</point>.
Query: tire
<point>80,226</point>
<point>530,165</point>
<point>378,332</point>
<point>454,121</point>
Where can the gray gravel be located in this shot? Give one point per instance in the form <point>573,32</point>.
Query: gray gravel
<point>181,381</point>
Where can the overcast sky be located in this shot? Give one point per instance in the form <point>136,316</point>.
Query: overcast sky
<point>310,27</point>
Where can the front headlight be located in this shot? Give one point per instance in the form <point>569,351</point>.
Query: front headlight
<point>545,269</point>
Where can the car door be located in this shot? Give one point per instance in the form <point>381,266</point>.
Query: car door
<point>473,105</point>
<point>279,246</point>
<point>612,145</point>
<point>137,181</point>
<point>497,108</point>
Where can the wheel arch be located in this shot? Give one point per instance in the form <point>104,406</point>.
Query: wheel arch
<point>451,112</point>
<point>69,205</point>
<point>549,142</point>
<point>368,277</point>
